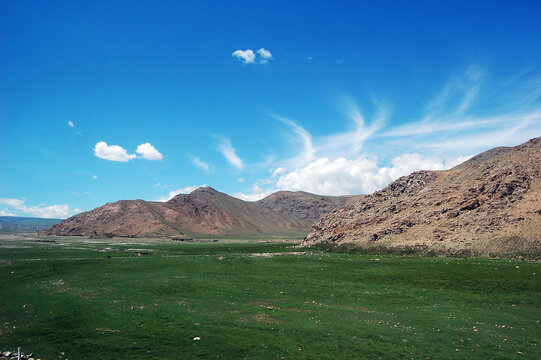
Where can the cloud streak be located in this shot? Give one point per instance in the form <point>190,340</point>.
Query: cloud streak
<point>201,164</point>
<point>229,152</point>
<point>459,121</point>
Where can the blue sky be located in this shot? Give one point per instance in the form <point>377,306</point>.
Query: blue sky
<point>109,100</point>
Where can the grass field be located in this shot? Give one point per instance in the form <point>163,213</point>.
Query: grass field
<point>78,299</point>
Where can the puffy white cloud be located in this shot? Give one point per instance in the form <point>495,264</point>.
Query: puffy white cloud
<point>94,176</point>
<point>241,180</point>
<point>112,152</point>
<point>265,55</point>
<point>249,57</point>
<point>173,193</point>
<point>246,56</point>
<point>358,176</point>
<point>201,164</point>
<point>118,153</point>
<point>43,211</point>
<point>71,124</point>
<point>228,151</point>
<point>149,152</point>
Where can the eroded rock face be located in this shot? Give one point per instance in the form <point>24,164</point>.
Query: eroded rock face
<point>476,205</point>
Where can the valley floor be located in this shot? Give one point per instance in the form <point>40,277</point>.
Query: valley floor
<point>78,298</point>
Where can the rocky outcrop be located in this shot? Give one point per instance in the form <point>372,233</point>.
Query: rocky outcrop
<point>490,204</point>
<point>204,211</point>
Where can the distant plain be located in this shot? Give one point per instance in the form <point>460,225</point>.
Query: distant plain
<point>80,298</point>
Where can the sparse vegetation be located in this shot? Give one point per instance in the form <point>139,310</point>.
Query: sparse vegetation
<point>90,299</point>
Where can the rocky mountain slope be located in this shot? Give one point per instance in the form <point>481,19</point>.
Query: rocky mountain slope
<point>491,204</point>
<point>204,211</point>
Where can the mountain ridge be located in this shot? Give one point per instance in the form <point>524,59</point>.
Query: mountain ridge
<point>205,211</point>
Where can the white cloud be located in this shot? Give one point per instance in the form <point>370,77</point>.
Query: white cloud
<point>257,193</point>
<point>118,153</point>
<point>265,55</point>
<point>308,150</point>
<point>148,152</point>
<point>246,56</point>
<point>43,211</point>
<point>228,151</point>
<point>94,176</point>
<point>6,212</point>
<point>201,164</point>
<point>350,143</point>
<point>277,171</point>
<point>249,57</point>
<point>71,124</point>
<point>185,190</point>
<point>457,122</point>
<point>357,176</point>
<point>241,180</point>
<point>112,152</point>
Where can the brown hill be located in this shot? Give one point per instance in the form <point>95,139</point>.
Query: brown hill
<point>204,211</point>
<point>301,205</point>
<point>491,205</point>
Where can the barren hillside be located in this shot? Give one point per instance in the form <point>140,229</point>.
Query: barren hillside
<point>204,211</point>
<point>490,204</point>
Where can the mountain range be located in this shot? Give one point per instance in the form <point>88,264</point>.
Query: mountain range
<point>490,204</point>
<point>25,224</point>
<point>203,212</point>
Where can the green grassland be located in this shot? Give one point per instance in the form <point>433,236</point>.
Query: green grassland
<point>83,299</point>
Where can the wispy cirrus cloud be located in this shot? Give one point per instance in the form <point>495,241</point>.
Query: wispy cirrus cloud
<point>201,164</point>
<point>230,154</point>
<point>509,115</point>
<point>461,120</point>
<point>308,150</point>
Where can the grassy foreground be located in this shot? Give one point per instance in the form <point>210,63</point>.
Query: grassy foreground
<point>96,300</point>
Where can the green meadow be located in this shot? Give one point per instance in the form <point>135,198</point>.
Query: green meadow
<point>156,299</point>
